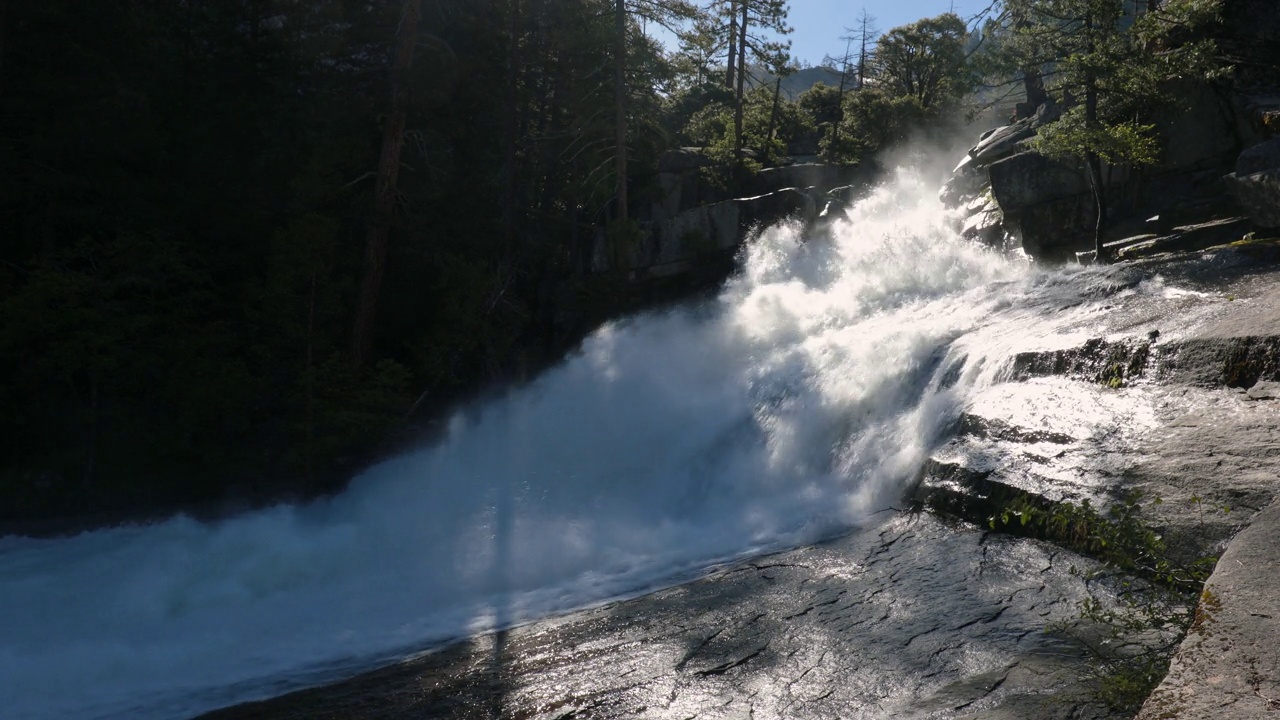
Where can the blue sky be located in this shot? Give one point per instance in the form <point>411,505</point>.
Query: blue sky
<point>820,23</point>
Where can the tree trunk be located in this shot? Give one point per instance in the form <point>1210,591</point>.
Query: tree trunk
<point>619,89</point>
<point>375,251</point>
<point>1098,185</point>
<point>4,34</point>
<point>1096,181</point>
<point>310,440</point>
<point>773,114</point>
<point>1033,82</point>
<point>730,81</point>
<point>512,127</point>
<point>742,78</point>
<point>844,81</point>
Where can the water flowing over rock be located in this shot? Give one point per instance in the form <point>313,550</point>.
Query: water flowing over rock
<point>910,617</point>
<point>715,494</point>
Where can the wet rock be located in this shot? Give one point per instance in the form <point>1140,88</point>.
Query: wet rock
<point>1212,362</point>
<point>984,222</point>
<point>1264,391</point>
<point>1198,236</point>
<point>1001,429</point>
<point>1029,179</point>
<point>775,207</point>
<point>1226,666</point>
<point>909,618</point>
<point>1260,157</point>
<point>820,176</point>
<point>1096,360</point>
<point>965,184</point>
<point>1259,195</point>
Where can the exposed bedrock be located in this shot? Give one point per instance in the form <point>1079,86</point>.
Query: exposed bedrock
<point>932,615</point>
<point>910,618</point>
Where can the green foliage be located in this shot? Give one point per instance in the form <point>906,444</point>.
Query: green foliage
<point>1119,537</point>
<point>1151,598</point>
<point>1101,48</point>
<point>1072,138</point>
<point>190,185</point>
<point>821,103</point>
<point>712,126</point>
<point>876,120</point>
<point>350,409</point>
<point>926,61</point>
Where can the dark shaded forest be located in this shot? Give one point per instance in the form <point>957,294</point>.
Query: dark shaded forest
<point>252,244</point>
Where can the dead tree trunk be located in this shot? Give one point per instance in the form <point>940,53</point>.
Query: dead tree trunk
<point>730,77</point>
<point>384,203</point>
<point>1096,181</point>
<point>619,89</point>
<point>773,113</point>
<point>742,77</point>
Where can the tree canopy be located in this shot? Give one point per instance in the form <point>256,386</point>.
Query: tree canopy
<point>1109,62</point>
<point>926,61</point>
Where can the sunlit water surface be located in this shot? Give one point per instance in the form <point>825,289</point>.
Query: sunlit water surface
<point>804,397</point>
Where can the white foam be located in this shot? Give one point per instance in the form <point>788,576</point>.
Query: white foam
<point>806,395</point>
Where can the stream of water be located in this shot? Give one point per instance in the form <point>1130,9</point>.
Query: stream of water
<point>802,398</point>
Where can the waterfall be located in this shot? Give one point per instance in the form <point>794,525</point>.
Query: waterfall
<point>801,399</point>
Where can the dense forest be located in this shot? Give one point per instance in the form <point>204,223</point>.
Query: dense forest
<point>191,191</point>
<point>251,244</point>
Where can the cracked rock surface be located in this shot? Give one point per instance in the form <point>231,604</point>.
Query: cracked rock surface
<point>913,618</point>
<point>1229,664</point>
<point>918,617</point>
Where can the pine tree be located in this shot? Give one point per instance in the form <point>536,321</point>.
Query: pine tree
<point>1103,64</point>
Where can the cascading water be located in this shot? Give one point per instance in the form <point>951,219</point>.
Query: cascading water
<point>802,398</point>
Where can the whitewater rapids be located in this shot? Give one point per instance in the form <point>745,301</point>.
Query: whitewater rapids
<point>801,399</point>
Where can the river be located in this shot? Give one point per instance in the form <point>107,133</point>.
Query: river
<point>793,406</point>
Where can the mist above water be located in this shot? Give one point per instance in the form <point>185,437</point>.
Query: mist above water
<point>801,399</point>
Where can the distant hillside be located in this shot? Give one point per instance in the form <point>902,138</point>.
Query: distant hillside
<point>798,82</point>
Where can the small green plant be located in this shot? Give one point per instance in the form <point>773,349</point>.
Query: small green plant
<point>1150,601</point>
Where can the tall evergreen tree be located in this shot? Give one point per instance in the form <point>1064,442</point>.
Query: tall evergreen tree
<point>926,60</point>
<point>1103,64</point>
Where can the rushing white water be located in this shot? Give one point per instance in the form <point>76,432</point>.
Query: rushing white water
<point>804,397</point>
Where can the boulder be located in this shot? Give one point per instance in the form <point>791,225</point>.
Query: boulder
<point>1028,179</point>
<point>676,245</point>
<point>683,160</point>
<point>670,200</point>
<point>1259,195</point>
<point>1054,231</point>
<point>1001,143</point>
<point>984,222</point>
<point>966,183</point>
<point>1201,133</point>
<point>1261,109</point>
<point>1264,156</point>
<point>1008,140</point>
<point>1264,390</point>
